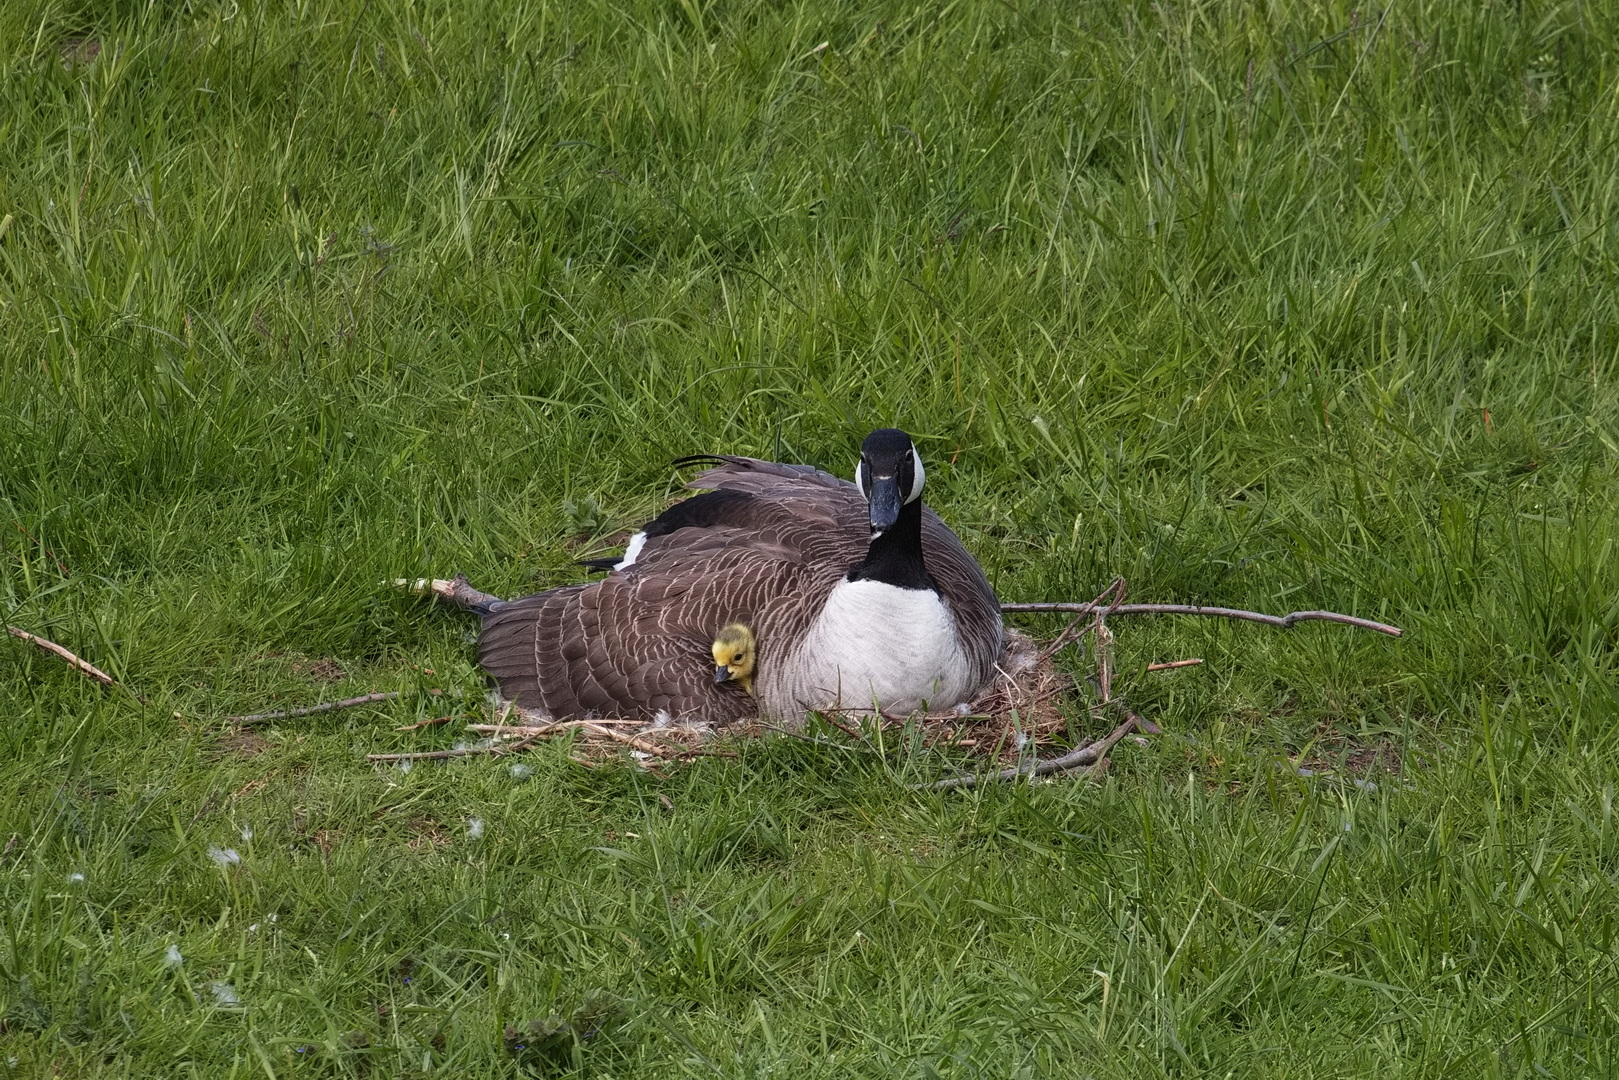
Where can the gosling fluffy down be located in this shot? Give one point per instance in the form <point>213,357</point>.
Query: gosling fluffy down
<point>735,654</point>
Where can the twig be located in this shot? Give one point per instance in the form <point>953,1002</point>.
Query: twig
<point>418,725</point>
<point>421,724</point>
<point>1089,754</point>
<point>524,729</point>
<point>1104,659</point>
<point>1286,622</point>
<point>528,734</point>
<point>456,590</point>
<point>1114,593</point>
<point>851,732</point>
<point>326,706</point>
<point>84,667</point>
<point>1170,665</point>
<point>465,751</point>
<point>649,748</point>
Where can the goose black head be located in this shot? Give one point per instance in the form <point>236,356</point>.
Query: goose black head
<point>889,474</point>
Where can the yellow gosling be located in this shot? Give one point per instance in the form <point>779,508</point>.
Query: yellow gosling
<point>734,654</point>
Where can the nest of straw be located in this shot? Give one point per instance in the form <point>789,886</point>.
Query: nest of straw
<point>1019,712</point>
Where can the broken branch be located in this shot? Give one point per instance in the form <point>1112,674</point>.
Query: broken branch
<point>326,706</point>
<point>1286,622</point>
<point>456,590</point>
<point>1089,754</point>
<point>418,725</point>
<point>84,667</point>
<point>649,748</point>
<point>465,751</point>
<point>1114,594</point>
<point>1170,665</point>
<point>525,729</point>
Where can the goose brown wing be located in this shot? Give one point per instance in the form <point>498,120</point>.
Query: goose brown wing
<point>727,472</point>
<point>816,523</point>
<point>638,642</point>
<point>962,583</point>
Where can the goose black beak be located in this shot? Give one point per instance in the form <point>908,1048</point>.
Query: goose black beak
<point>885,503</point>
<point>722,673</point>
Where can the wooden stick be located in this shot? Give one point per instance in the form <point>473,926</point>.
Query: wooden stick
<point>527,734</point>
<point>418,725</point>
<point>1286,622</point>
<point>84,667</point>
<point>524,729</point>
<point>456,590</point>
<point>1104,659</point>
<point>1089,754</point>
<point>1114,594</point>
<point>465,751</point>
<point>1171,665</point>
<point>326,706</point>
<point>851,732</point>
<point>646,747</point>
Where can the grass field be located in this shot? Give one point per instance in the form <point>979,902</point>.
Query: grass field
<point>1278,306</point>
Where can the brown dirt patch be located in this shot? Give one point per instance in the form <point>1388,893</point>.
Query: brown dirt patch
<point>323,670</point>
<point>241,743</point>
<point>78,52</point>
<point>249,788</point>
<point>1358,760</point>
<point>426,835</point>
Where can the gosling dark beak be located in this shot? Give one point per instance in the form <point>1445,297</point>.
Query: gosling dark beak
<point>722,673</point>
<point>885,502</point>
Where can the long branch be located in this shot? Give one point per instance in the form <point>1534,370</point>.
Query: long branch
<point>1089,754</point>
<point>82,666</point>
<point>493,750</point>
<point>325,706</point>
<point>1284,621</point>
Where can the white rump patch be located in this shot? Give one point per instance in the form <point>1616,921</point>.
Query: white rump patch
<point>632,552</point>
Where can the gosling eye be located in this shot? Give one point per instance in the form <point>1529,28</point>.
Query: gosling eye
<point>737,659</point>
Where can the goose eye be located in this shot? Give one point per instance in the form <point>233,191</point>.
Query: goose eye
<point>737,659</point>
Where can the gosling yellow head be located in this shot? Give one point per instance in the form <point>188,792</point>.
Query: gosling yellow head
<point>734,654</point>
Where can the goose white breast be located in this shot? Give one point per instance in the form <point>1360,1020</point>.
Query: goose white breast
<point>875,645</point>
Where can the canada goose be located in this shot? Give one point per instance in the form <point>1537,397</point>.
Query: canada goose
<point>856,595</point>
<point>735,655</point>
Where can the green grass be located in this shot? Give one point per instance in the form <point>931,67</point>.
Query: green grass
<point>1278,306</point>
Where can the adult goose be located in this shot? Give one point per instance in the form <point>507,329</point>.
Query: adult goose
<point>855,596</point>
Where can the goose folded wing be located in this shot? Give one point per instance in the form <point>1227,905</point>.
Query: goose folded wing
<point>729,473</point>
<point>637,643</point>
<point>747,532</point>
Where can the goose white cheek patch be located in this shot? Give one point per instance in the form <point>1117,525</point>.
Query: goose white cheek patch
<point>916,482</point>
<point>860,476</point>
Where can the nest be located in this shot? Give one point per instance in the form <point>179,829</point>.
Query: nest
<point>1025,708</point>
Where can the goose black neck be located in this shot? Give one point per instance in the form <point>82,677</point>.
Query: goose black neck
<point>895,557</point>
